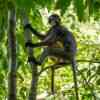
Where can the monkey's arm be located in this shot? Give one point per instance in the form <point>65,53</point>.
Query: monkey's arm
<point>50,39</point>
<point>35,45</point>
<point>34,31</point>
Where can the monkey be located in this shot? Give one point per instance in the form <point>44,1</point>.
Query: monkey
<point>59,42</point>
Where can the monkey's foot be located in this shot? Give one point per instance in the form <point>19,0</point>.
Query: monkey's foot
<point>33,60</point>
<point>28,44</point>
<point>62,60</point>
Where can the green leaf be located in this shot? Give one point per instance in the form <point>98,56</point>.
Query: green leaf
<point>79,8</point>
<point>90,6</point>
<point>24,3</point>
<point>63,5</point>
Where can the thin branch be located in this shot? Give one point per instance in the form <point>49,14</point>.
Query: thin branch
<point>57,65</point>
<point>88,84</point>
<point>92,61</point>
<point>60,65</point>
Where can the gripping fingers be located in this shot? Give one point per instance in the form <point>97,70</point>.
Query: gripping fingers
<point>32,59</point>
<point>28,44</point>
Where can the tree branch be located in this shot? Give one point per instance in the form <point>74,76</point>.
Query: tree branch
<point>60,65</point>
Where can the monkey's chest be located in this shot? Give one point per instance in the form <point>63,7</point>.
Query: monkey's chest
<point>58,44</point>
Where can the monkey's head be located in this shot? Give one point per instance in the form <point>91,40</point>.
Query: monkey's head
<point>54,19</point>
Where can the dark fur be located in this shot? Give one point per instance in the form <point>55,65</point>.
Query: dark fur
<point>57,34</point>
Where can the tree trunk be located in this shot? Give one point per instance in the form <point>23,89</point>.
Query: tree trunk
<point>28,37</point>
<point>12,54</point>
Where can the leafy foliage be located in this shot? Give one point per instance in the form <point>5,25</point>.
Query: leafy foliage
<point>79,8</point>
<point>88,55</point>
<point>63,5</point>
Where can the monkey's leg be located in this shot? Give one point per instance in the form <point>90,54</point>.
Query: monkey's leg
<point>52,52</point>
<point>43,55</point>
<point>46,53</point>
<point>32,59</point>
<point>56,52</point>
<point>74,69</point>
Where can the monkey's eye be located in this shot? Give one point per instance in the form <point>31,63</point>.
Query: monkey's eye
<point>51,19</point>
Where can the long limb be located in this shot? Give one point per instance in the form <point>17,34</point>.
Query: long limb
<point>49,40</point>
<point>55,52</point>
<point>45,53</point>
<point>51,52</point>
<point>52,80</point>
<point>74,69</point>
<point>35,45</point>
<point>34,31</point>
<point>32,59</point>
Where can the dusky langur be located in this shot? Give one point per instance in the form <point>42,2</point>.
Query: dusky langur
<point>59,42</point>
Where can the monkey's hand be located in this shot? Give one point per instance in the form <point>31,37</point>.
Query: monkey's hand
<point>33,60</point>
<point>29,44</point>
<point>27,26</point>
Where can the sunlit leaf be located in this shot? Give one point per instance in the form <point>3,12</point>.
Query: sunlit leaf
<point>79,8</point>
<point>63,5</point>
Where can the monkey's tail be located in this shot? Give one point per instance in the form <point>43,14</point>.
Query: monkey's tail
<point>74,69</point>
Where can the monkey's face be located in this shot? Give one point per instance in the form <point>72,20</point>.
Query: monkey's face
<point>54,20</point>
